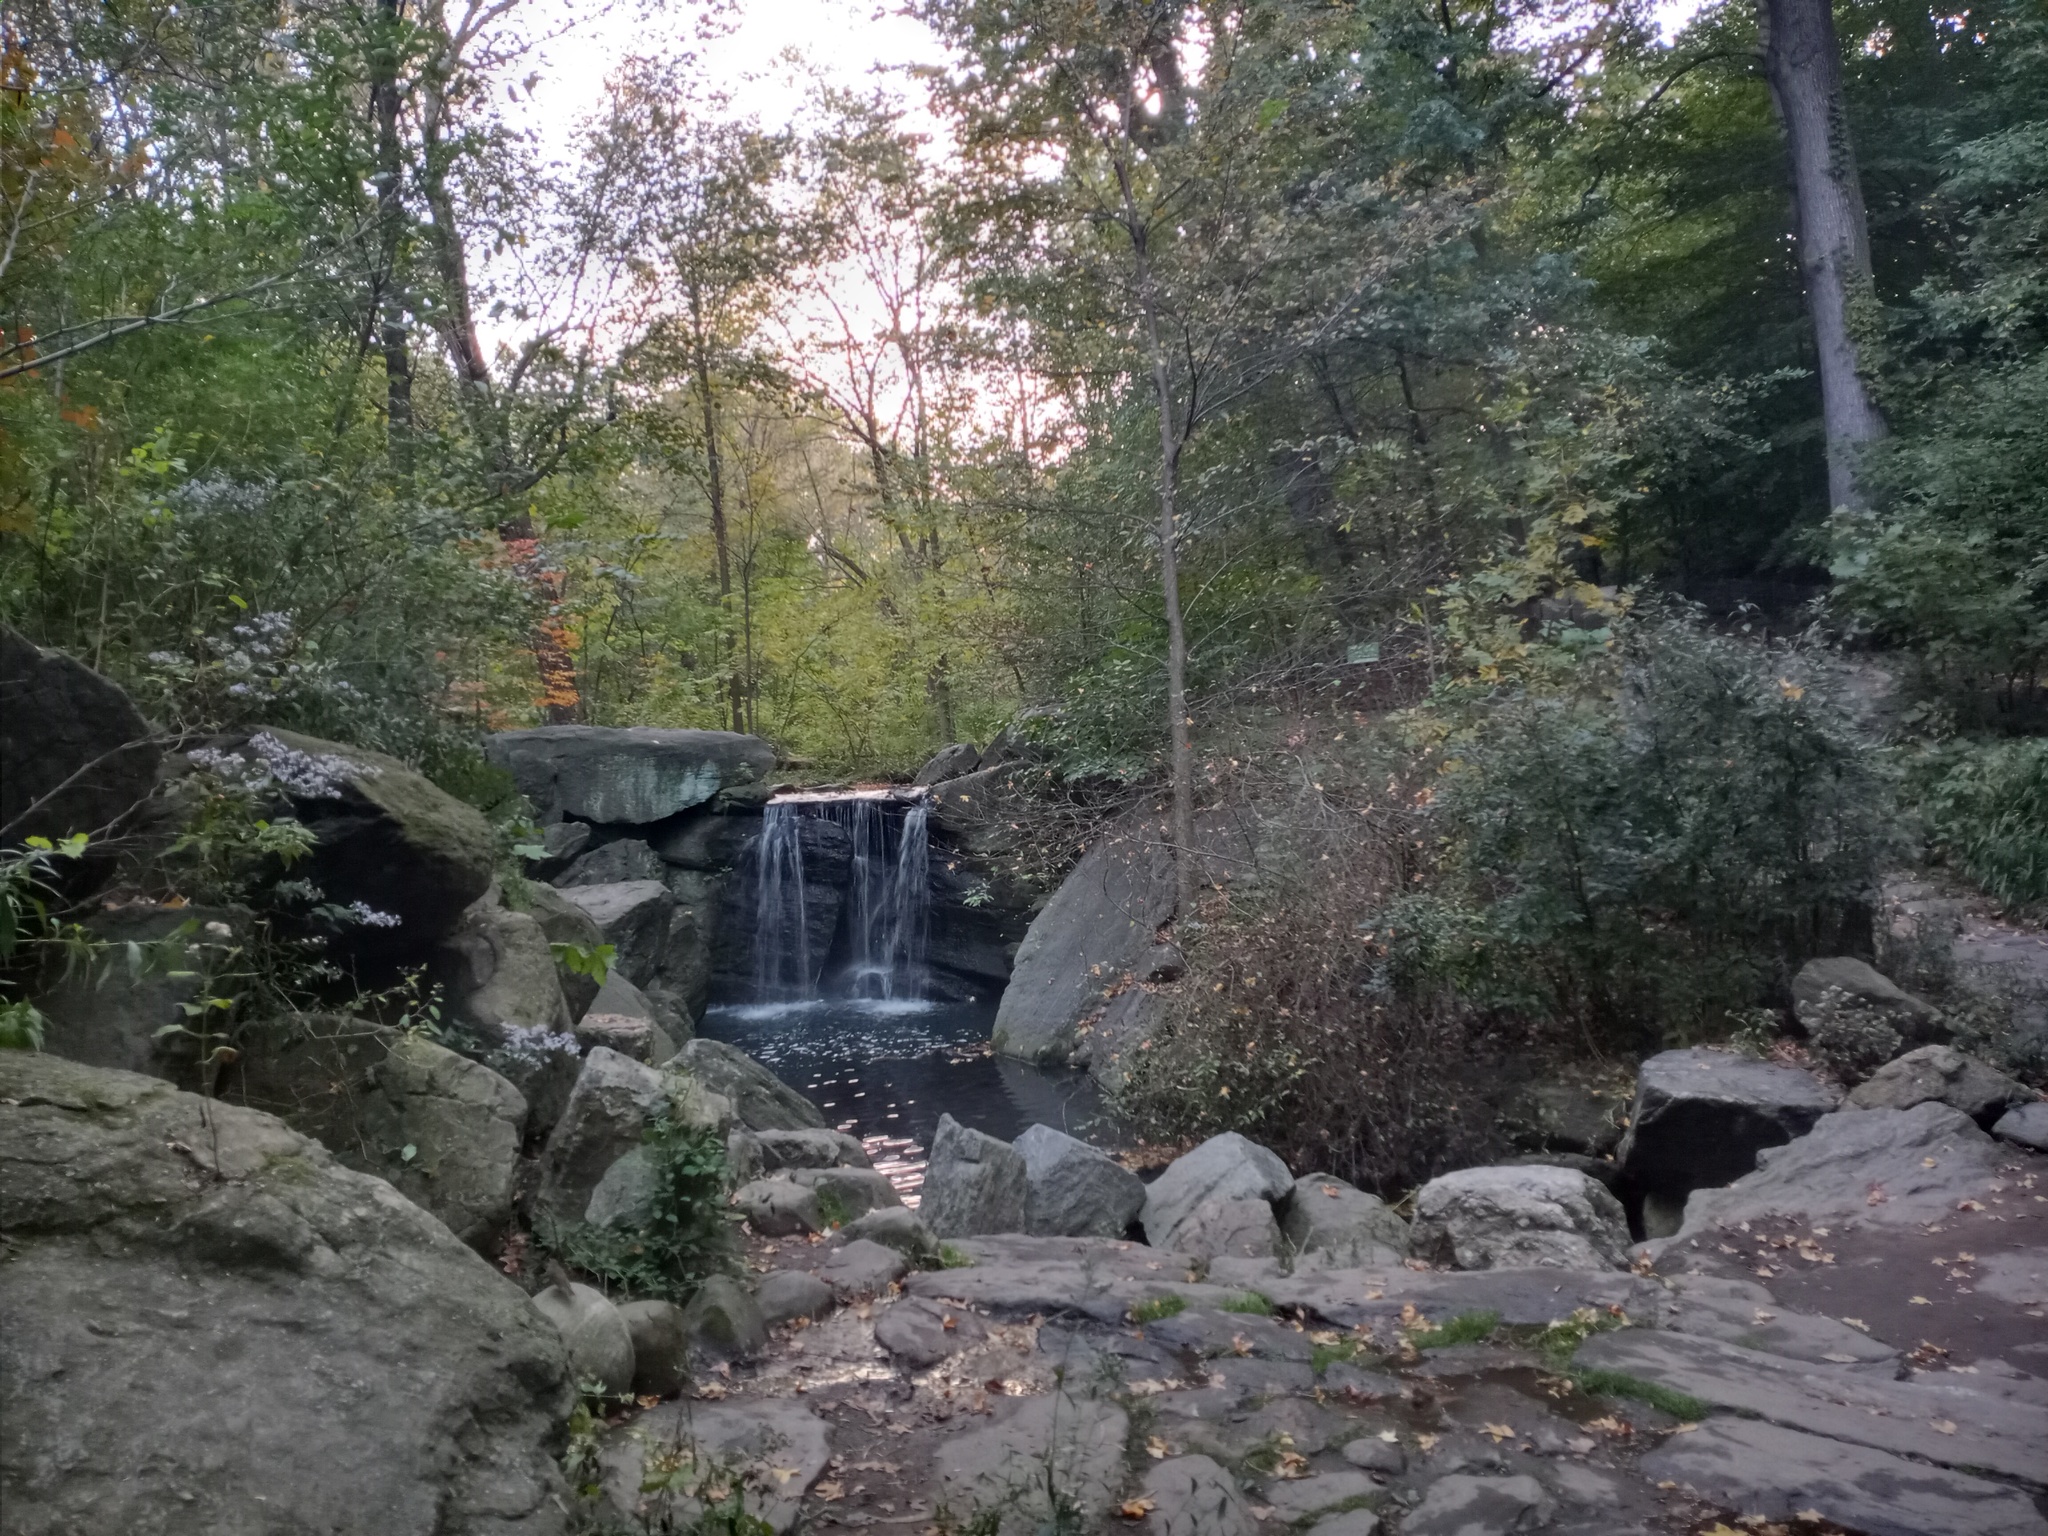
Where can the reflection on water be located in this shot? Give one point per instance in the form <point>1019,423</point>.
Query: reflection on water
<point>886,1070</point>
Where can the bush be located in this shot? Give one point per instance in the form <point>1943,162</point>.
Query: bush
<point>689,1237</point>
<point>1985,809</point>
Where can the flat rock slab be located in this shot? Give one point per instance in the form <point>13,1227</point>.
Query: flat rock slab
<point>633,774</point>
<point>1232,1333</point>
<point>921,1333</point>
<point>1295,1499</point>
<point>779,1447</point>
<point>1701,1117</point>
<point>1742,1312</point>
<point>1948,1425</point>
<point>1463,1505</point>
<point>1769,1470</point>
<point>1074,1444</point>
<point>862,1268</point>
<point>1193,1496</point>
<point>1358,1298</point>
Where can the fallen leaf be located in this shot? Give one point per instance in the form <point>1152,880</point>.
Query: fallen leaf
<point>949,1322</point>
<point>1291,1464</point>
<point>1857,1323</point>
<point>1943,1426</point>
<point>1136,1509</point>
<point>1877,1196</point>
<point>1426,1442</point>
<point>782,1474</point>
<point>1612,1425</point>
<point>1157,1448</point>
<point>1331,1190</point>
<point>1928,1162</point>
<point>829,1492</point>
<point>1920,1301</point>
<point>1240,1345</point>
<point>1683,1429</point>
<point>1499,1432</point>
<point>1968,1205</point>
<point>1390,1436</point>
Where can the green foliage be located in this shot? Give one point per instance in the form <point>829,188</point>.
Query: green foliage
<point>952,1256</point>
<point>1158,1308</point>
<point>1560,1340</point>
<point>31,931</point>
<point>1251,1302</point>
<point>1465,1328</point>
<point>1985,808</point>
<point>1603,1383</point>
<point>593,960</point>
<point>689,1235</point>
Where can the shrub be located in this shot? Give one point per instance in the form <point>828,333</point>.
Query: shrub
<point>689,1236</point>
<point>1985,809</point>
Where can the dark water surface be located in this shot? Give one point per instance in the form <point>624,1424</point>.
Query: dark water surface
<point>885,1071</point>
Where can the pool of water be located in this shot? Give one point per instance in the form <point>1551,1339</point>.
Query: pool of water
<point>885,1071</point>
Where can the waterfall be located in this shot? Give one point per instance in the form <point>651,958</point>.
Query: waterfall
<point>883,911</point>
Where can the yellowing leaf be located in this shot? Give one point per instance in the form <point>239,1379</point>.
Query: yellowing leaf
<point>1499,1432</point>
<point>1136,1509</point>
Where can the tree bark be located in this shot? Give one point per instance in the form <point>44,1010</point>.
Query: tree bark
<point>1802,61</point>
<point>395,342</point>
<point>714,490</point>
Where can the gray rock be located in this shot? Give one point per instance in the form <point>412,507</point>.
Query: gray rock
<point>1057,1441</point>
<point>1555,1116</point>
<point>1225,1167</point>
<point>1922,1160</point>
<point>497,971</point>
<point>787,1294</point>
<point>1193,1496</point>
<point>387,1381</point>
<point>606,1118</point>
<point>2026,1126</point>
<point>1744,1313</point>
<point>973,1183</point>
<point>761,1099</point>
<point>1701,1117</point>
<point>948,763</point>
<point>443,1130</point>
<point>895,1226</point>
<point>623,1018</point>
<point>778,1207</point>
<point>1985,1433</point>
<point>1480,1506</point>
<point>1075,1190</point>
<point>1243,1229</point>
<point>921,1333</point>
<point>1775,1472</point>
<point>1303,1498</point>
<point>1856,1019</point>
<point>703,842</point>
<point>561,845</point>
<point>633,917</point>
<point>104,1017</point>
<point>661,1347</point>
<point>769,1451</point>
<point>1942,1075</point>
<point>59,718</point>
<point>811,1149</point>
<point>1342,1225</point>
<point>564,923</point>
<point>1350,1522</point>
<point>595,1337</point>
<point>862,1268</point>
<point>612,864</point>
<point>725,1321</point>
<point>1372,1454</point>
<point>1088,939</point>
<point>627,1195</point>
<point>633,775</point>
<point>1519,1218</point>
<point>845,1194</point>
<point>693,930</point>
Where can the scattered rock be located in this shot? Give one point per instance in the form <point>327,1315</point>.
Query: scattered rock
<point>1519,1218</point>
<point>633,775</point>
<point>1075,1190</point>
<point>1006,1470</point>
<point>59,718</point>
<point>2026,1126</point>
<point>661,1347</point>
<point>154,1237</point>
<point>921,1333</point>
<point>786,1294</point>
<point>1303,1498</point>
<point>811,1148</point>
<point>1342,1225</point>
<point>1773,1471</point>
<point>776,1447</point>
<point>1461,1505</point>
<point>606,1118</point>
<point>622,1018</point>
<point>595,1337</point>
<point>761,1099</point>
<point>613,863</point>
<point>627,1194</point>
<point>1857,1018</point>
<point>778,1207</point>
<point>725,1321</point>
<point>1193,1496</point>
<point>895,1226</point>
<point>633,917</point>
<point>1372,1454</point>
<point>1243,1229</point>
<point>1701,1117</point>
<point>862,1268</point>
<point>497,971</point>
<point>1942,1075</point>
<point>1225,1167</point>
<point>948,763</point>
<point>845,1194</point>
<point>566,924</point>
<point>973,1183</point>
<point>561,845</point>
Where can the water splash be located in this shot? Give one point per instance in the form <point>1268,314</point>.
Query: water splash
<point>887,912</point>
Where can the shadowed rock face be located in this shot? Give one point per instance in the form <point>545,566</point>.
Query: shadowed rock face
<point>631,776</point>
<point>209,1327</point>
<point>59,718</point>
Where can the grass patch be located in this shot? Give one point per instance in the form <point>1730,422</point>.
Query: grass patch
<point>1465,1328</point>
<point>1559,1341</point>
<point>1325,1355</point>
<point>1251,1302</point>
<point>1159,1308</point>
<point>832,1208</point>
<point>1600,1383</point>
<point>951,1257</point>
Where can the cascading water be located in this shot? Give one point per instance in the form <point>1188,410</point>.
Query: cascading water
<point>889,900</point>
<point>782,948</point>
<point>886,898</point>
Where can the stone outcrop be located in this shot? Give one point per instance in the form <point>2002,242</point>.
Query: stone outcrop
<point>973,1183</point>
<point>606,1118</point>
<point>496,970</point>
<point>633,916</point>
<point>1527,1217</point>
<point>613,863</point>
<point>1940,1074</point>
<point>763,1101</point>
<point>75,753</point>
<point>962,757</point>
<point>102,1017</point>
<point>563,922</point>
<point>1223,1168</point>
<point>208,1325</point>
<point>1335,1224</point>
<point>634,776</point>
<point>1075,1190</point>
<point>1857,1018</point>
<point>595,1337</point>
<point>1701,1117</point>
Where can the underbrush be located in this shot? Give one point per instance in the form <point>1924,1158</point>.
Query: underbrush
<point>1984,807</point>
<point>687,1235</point>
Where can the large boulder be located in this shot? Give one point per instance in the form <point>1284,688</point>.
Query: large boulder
<point>723,1320</point>
<point>1519,1218</point>
<point>1225,1167</point>
<point>629,776</point>
<point>1701,1117</point>
<point>106,1016</point>
<point>633,916</point>
<point>692,937</point>
<point>1054,1458</point>
<point>1227,1228</point>
<point>607,1117</point>
<point>1942,1075</point>
<point>443,1130</point>
<point>1076,1190</point>
<point>75,753</point>
<point>1085,946</point>
<point>623,1017</point>
<point>1858,1018</point>
<point>763,1101</point>
<point>2025,1126</point>
<point>208,1325</point>
<point>1342,1226</point>
<point>568,925</point>
<point>661,1347</point>
<point>613,864</point>
<point>973,1183</point>
<point>595,1337</point>
<point>496,970</point>
<point>384,836</point>
<point>962,757</point>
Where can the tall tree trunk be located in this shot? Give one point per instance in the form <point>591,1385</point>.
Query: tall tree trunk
<point>1803,63</point>
<point>384,103</point>
<point>714,489</point>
